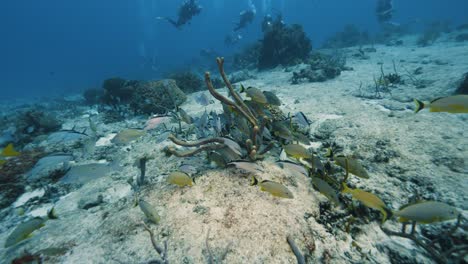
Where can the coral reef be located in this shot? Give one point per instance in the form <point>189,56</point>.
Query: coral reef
<point>157,97</point>
<point>247,58</point>
<point>283,45</point>
<point>348,37</point>
<point>12,180</point>
<point>33,123</point>
<point>117,90</point>
<point>321,67</point>
<point>188,82</point>
<point>93,96</point>
<point>250,122</point>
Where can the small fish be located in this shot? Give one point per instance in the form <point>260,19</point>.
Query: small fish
<point>272,98</point>
<point>427,212</point>
<point>324,188</point>
<point>368,199</point>
<point>450,104</point>
<point>217,158</point>
<point>154,122</point>
<point>280,129</point>
<point>127,135</point>
<point>9,151</point>
<point>246,166</point>
<point>149,211</point>
<point>24,230</point>
<point>188,169</point>
<point>228,154</point>
<point>301,119</point>
<point>179,178</point>
<point>301,138</point>
<point>184,116</point>
<point>297,151</point>
<point>203,99</point>
<point>274,188</point>
<point>354,166</point>
<point>234,146</point>
<point>255,94</point>
<point>316,163</point>
<point>202,122</point>
<point>293,167</point>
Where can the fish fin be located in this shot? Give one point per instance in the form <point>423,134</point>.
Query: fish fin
<point>51,214</point>
<point>242,88</point>
<point>254,181</point>
<point>9,151</point>
<point>435,99</point>
<point>419,105</point>
<point>386,213</point>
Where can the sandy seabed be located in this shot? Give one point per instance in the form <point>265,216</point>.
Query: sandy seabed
<point>222,213</point>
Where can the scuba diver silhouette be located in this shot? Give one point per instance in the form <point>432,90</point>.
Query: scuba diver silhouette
<point>187,11</point>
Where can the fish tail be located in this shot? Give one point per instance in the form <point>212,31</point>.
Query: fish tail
<point>419,105</point>
<point>329,153</point>
<point>242,88</point>
<point>386,213</point>
<point>254,181</point>
<point>345,189</point>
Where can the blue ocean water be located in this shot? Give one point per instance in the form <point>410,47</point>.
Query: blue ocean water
<point>55,48</point>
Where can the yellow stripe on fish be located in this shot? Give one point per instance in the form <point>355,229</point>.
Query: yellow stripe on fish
<point>451,104</point>
<point>368,199</point>
<point>427,212</point>
<point>274,188</point>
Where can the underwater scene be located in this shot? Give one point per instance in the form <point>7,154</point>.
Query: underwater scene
<point>235,131</point>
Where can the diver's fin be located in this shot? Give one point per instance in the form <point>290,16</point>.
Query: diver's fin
<point>419,105</point>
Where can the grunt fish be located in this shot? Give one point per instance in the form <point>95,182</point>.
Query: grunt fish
<point>293,167</point>
<point>324,188</point>
<point>127,135</point>
<point>354,166</point>
<point>255,94</point>
<point>24,230</point>
<point>368,199</point>
<point>274,188</point>
<point>450,104</point>
<point>297,151</point>
<point>246,166</point>
<point>272,98</point>
<point>427,212</point>
<point>149,211</point>
<point>179,178</point>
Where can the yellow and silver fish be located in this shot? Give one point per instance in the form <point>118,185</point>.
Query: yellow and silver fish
<point>324,188</point>
<point>179,178</point>
<point>24,230</point>
<point>354,166</point>
<point>297,151</point>
<point>450,104</point>
<point>368,199</point>
<point>427,212</point>
<point>255,94</point>
<point>274,188</point>
<point>149,211</point>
